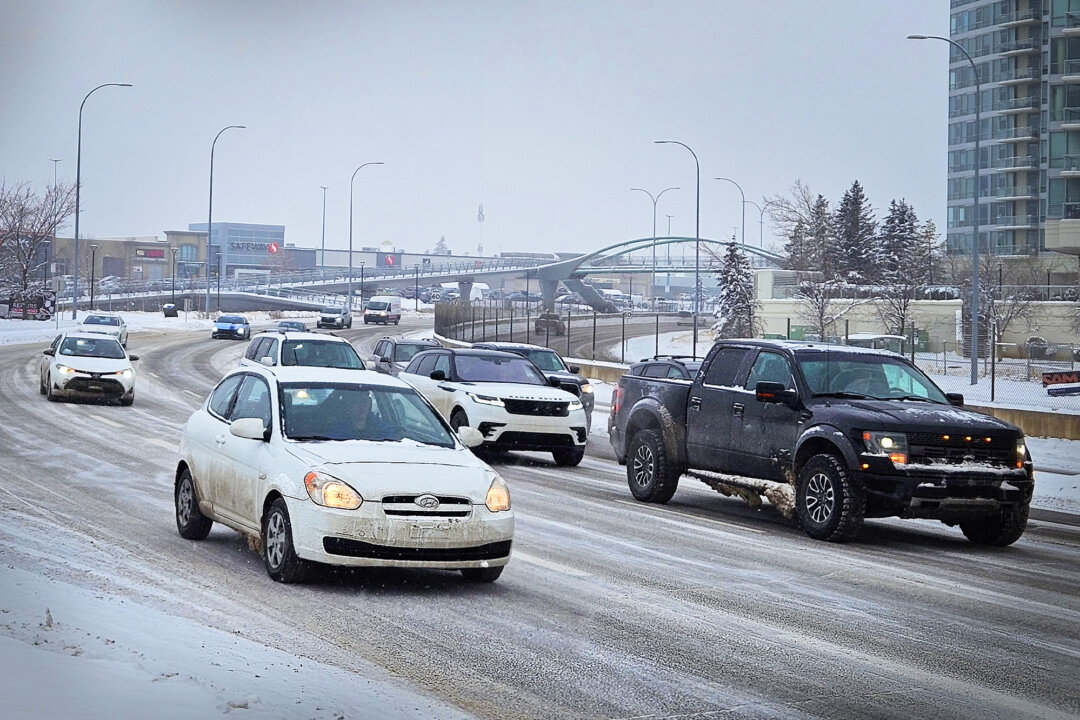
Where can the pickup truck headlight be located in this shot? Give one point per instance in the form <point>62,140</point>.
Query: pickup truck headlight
<point>586,388</point>
<point>486,399</point>
<point>1021,452</point>
<point>498,496</point>
<point>894,445</point>
<point>330,492</point>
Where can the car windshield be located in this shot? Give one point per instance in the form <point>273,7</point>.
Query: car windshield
<point>344,411</point>
<point>692,368</point>
<point>320,353</point>
<point>495,368</point>
<point>104,347</point>
<point>868,376</point>
<point>331,311</point>
<point>231,319</point>
<point>101,320</point>
<point>377,305</point>
<point>292,326</point>
<point>403,352</point>
<point>546,360</point>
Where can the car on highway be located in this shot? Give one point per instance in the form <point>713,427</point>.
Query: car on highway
<point>231,326</point>
<point>549,322</point>
<point>674,367</point>
<point>554,367</point>
<point>383,309</point>
<point>334,317</point>
<point>284,348</point>
<point>109,324</point>
<point>339,467</point>
<point>87,365</point>
<point>292,325</point>
<point>505,397</point>
<point>392,354</point>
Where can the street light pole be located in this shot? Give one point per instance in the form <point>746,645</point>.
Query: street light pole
<point>350,233</point>
<point>210,218</point>
<point>322,263</point>
<point>743,206</point>
<point>78,186</point>
<point>217,261</point>
<point>93,265</point>
<point>697,237</point>
<point>174,251</point>
<point>975,241</point>
<point>655,199</point>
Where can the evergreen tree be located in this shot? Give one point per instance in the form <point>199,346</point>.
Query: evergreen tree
<point>852,256</point>
<point>928,254</point>
<point>798,250</point>
<point>895,266</point>
<point>737,307</point>
<point>821,238</point>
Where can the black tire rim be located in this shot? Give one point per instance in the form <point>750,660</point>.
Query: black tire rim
<point>820,497</point>
<point>644,465</point>
<point>185,502</point>
<point>275,539</point>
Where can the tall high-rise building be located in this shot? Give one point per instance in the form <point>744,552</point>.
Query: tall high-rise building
<point>1028,57</point>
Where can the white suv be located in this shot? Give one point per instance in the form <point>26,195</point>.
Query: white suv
<point>277,347</point>
<point>343,467</point>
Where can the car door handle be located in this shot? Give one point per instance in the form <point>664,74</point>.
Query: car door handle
<point>447,389</point>
<point>220,438</point>
<point>695,403</point>
<point>737,409</point>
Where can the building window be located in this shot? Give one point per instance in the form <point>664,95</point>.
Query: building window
<point>188,253</point>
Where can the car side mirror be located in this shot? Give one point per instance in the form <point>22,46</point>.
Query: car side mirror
<point>575,369</point>
<point>249,428</point>
<point>267,361</point>
<point>385,359</point>
<point>774,392</point>
<point>956,399</point>
<point>437,375</point>
<point>470,437</point>
<point>49,351</point>
<point>133,358</point>
<point>555,382</point>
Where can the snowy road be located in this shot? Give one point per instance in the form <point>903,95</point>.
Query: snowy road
<point>609,608</point>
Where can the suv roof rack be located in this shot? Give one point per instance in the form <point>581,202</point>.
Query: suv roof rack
<point>668,357</point>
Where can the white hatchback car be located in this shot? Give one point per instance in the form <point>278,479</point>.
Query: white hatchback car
<point>342,467</point>
<point>87,365</point>
<point>107,324</point>
<point>505,397</point>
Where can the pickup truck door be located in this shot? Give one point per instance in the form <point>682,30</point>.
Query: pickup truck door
<point>711,410</point>
<point>766,432</point>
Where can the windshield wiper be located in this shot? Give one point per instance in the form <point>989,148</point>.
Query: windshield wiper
<point>908,397</point>
<point>855,396</point>
<point>303,438</point>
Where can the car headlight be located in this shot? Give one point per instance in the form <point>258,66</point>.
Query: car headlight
<point>65,370</point>
<point>894,445</point>
<point>486,399</point>
<point>586,388</point>
<point>576,405</point>
<point>498,496</point>
<point>1021,452</point>
<point>126,374</point>
<point>330,492</point>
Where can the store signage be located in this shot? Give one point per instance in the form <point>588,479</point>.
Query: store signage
<point>384,259</point>
<point>154,254</point>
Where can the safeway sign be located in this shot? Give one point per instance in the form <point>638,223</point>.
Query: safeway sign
<point>272,248</point>
<point>391,260</point>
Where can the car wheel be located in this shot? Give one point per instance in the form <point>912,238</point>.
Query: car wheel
<point>458,419</point>
<point>365,321</point>
<point>128,400</point>
<point>568,457</point>
<point>829,504</point>
<point>41,384</point>
<point>652,476</point>
<point>482,575</point>
<point>282,562</point>
<point>999,530</point>
<point>397,321</point>
<point>49,394</point>
<point>190,521</point>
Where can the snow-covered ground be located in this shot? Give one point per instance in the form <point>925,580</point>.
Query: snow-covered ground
<point>1057,461</point>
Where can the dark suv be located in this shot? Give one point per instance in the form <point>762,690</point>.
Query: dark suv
<point>673,367</point>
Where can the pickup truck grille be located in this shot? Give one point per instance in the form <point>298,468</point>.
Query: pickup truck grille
<point>545,408</point>
<point>933,447</point>
<point>572,388</point>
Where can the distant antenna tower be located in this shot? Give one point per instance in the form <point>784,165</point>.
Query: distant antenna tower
<point>480,231</point>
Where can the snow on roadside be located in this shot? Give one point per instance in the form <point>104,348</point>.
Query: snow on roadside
<point>68,652</point>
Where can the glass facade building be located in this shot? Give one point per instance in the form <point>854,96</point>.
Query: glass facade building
<point>243,245</point>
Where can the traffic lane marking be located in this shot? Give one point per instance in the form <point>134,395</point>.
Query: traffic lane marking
<point>557,567</point>
<point>103,419</point>
<point>172,447</point>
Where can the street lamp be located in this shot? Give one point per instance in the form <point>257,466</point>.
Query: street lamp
<point>78,185</point>
<point>210,219</point>
<point>697,237</point>
<point>350,233</point>
<point>654,201</point>
<point>743,206</point>
<point>322,263</point>
<point>174,251</point>
<point>217,261</point>
<point>975,241</point>
<point>93,265</point>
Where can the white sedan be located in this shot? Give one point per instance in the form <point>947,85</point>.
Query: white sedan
<point>87,365</point>
<point>342,467</point>
<point>106,324</point>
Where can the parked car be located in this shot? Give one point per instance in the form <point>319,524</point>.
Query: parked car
<point>284,348</point>
<point>673,367</point>
<point>297,325</point>
<point>231,326</point>
<point>554,368</point>
<point>505,397</point>
<point>334,467</point>
<point>383,309</point>
<point>834,433</point>
<point>87,365</point>
<point>550,322</point>
<point>391,355</point>
<point>109,324</point>
<point>334,317</point>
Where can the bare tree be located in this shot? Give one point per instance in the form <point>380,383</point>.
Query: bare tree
<point>822,303</point>
<point>788,212</point>
<point>1008,291</point>
<point>27,222</point>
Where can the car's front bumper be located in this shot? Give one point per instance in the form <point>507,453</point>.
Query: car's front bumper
<point>88,385</point>
<point>369,537</point>
<point>229,332</point>
<point>945,493</point>
<point>507,431</point>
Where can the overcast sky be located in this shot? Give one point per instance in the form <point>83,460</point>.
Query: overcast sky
<point>545,112</point>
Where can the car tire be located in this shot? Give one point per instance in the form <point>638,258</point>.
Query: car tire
<point>568,457</point>
<point>397,321</point>
<point>482,575</point>
<point>128,400</point>
<point>998,530</point>
<point>458,419</point>
<point>190,522</point>
<point>49,394</point>
<point>829,504</point>
<point>651,474</point>
<point>41,384</point>
<point>282,562</point>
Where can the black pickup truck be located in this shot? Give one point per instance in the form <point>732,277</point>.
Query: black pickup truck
<point>832,433</point>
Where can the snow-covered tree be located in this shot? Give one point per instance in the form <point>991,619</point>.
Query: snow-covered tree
<point>441,248</point>
<point>822,303</point>
<point>852,256</point>
<point>737,308</point>
<point>895,266</point>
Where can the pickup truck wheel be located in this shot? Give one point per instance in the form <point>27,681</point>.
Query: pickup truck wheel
<point>1000,530</point>
<point>829,504</point>
<point>651,474</point>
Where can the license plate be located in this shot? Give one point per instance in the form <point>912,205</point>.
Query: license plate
<point>418,531</point>
<point>97,388</point>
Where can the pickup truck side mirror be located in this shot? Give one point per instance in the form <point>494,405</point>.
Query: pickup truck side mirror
<point>956,399</point>
<point>437,375</point>
<point>555,382</point>
<point>576,369</point>
<point>774,392</point>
